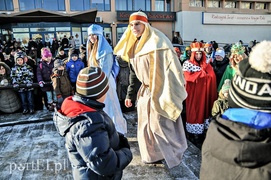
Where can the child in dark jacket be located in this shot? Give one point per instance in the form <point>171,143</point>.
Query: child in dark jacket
<point>95,149</point>
<point>44,72</point>
<point>10,101</point>
<point>61,82</point>
<point>22,74</point>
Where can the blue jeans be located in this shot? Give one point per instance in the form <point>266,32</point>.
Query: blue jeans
<point>51,97</point>
<point>27,98</point>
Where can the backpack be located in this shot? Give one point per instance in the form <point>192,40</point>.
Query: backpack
<point>40,65</point>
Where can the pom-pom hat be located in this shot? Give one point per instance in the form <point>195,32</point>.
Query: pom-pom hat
<point>92,83</point>
<point>46,53</point>
<point>251,85</point>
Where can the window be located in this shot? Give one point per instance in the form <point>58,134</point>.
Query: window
<point>133,5</point>
<point>53,5</point>
<point>246,5</point>
<point>260,5</point>
<point>230,4</point>
<point>196,3</point>
<point>159,5</point>
<point>213,4</point>
<point>120,31</point>
<point>168,6</point>
<point>100,5</point>
<point>6,5</point>
<point>82,5</point>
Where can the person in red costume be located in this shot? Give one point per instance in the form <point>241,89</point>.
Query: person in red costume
<point>201,88</point>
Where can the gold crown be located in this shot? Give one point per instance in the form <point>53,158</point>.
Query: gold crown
<point>197,46</point>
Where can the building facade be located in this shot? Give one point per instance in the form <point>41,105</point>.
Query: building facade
<point>225,21</point>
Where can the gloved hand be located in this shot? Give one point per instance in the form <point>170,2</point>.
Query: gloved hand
<point>29,84</point>
<point>4,82</point>
<point>16,86</point>
<point>123,141</point>
<point>41,83</point>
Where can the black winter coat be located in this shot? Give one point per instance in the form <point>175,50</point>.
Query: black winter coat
<point>44,72</point>
<point>234,150</point>
<point>94,147</point>
<point>219,68</point>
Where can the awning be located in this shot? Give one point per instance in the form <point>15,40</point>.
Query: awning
<point>41,15</point>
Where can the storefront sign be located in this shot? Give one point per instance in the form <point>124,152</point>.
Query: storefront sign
<point>219,18</point>
<point>152,16</point>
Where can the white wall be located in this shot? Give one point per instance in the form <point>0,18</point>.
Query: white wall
<point>190,26</point>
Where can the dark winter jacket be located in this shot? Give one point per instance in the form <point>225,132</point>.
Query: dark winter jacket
<point>9,100</point>
<point>219,68</point>
<point>233,150</point>
<point>95,149</point>
<point>73,68</point>
<point>44,72</point>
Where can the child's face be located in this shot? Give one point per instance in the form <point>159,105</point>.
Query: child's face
<point>218,58</point>
<point>20,61</point>
<point>48,59</point>
<point>74,58</point>
<point>2,70</point>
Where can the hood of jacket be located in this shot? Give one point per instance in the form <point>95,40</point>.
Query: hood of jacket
<point>74,109</point>
<point>6,67</point>
<point>238,144</point>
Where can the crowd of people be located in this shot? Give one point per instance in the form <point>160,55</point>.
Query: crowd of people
<point>25,71</point>
<point>204,90</point>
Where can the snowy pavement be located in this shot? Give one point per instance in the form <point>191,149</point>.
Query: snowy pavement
<point>32,149</point>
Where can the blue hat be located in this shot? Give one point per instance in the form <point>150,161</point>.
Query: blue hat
<point>103,45</point>
<point>95,29</point>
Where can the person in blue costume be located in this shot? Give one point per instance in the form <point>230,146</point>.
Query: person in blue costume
<point>100,54</point>
<point>238,142</point>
